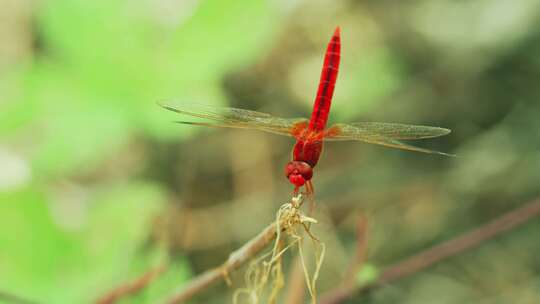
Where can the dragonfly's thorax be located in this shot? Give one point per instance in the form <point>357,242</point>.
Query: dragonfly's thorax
<point>308,151</point>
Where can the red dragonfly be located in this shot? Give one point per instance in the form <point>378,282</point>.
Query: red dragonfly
<point>310,134</point>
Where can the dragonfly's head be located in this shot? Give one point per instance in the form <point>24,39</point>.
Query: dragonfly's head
<point>298,172</point>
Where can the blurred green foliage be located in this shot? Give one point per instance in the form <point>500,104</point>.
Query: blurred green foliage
<point>90,88</point>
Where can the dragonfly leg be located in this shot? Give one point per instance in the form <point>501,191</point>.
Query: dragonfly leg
<point>310,194</point>
<point>309,188</point>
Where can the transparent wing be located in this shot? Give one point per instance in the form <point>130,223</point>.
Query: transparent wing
<point>399,131</point>
<point>237,118</point>
<point>386,134</point>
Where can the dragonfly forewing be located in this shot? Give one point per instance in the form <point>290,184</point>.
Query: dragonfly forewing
<point>400,131</point>
<point>237,118</point>
<point>386,134</point>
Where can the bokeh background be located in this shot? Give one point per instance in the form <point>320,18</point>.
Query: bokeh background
<point>97,184</point>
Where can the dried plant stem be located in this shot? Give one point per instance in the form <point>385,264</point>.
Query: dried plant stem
<point>443,251</point>
<point>288,217</point>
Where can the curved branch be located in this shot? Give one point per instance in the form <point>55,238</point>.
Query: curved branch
<point>442,251</point>
<point>132,287</point>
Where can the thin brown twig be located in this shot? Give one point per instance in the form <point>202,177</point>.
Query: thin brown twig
<point>132,287</point>
<point>236,259</point>
<point>443,251</point>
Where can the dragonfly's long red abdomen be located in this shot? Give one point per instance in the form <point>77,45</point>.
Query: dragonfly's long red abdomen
<point>321,108</point>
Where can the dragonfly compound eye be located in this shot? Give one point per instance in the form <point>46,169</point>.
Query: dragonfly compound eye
<point>297,180</point>
<point>298,172</point>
